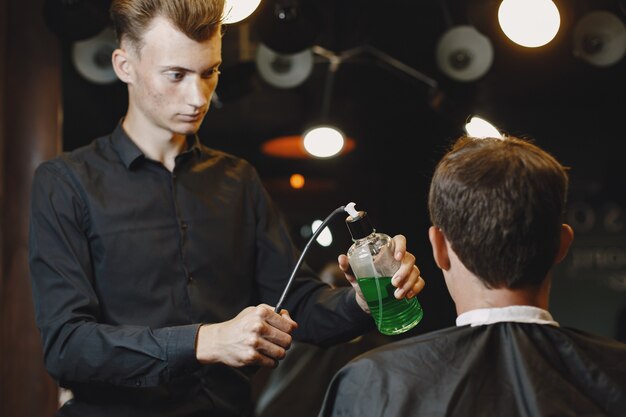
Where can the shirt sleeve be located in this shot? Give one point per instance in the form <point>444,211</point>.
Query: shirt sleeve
<point>78,345</point>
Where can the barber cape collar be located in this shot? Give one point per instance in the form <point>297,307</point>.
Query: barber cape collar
<point>517,314</point>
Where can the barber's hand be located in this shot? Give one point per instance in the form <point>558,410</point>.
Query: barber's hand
<point>256,336</point>
<point>407,279</point>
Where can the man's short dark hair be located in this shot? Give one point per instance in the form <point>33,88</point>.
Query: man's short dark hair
<point>500,203</point>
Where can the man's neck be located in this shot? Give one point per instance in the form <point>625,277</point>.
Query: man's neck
<point>469,293</point>
<point>502,297</point>
<point>156,143</point>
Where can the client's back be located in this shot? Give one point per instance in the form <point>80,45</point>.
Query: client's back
<point>497,212</point>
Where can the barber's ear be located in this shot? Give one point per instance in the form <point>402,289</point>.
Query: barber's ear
<point>440,249</point>
<point>567,236</point>
<point>121,65</point>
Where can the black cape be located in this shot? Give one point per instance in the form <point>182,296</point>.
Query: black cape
<point>297,386</point>
<point>503,369</point>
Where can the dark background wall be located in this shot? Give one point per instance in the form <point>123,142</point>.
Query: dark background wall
<point>30,99</point>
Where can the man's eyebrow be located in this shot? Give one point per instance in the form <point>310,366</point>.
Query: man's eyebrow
<point>183,69</point>
<point>174,68</point>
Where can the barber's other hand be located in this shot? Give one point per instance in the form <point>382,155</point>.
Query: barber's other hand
<point>256,336</point>
<point>407,279</point>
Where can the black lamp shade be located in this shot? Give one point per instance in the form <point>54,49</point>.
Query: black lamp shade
<point>288,26</point>
<point>76,20</point>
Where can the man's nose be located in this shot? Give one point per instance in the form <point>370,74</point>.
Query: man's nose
<point>198,92</point>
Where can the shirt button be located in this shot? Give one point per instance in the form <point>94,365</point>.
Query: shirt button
<point>183,225</point>
<point>189,278</point>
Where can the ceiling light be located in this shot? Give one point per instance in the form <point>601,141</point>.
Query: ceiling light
<point>325,238</point>
<point>92,57</point>
<point>600,38</point>
<point>292,147</point>
<point>323,141</point>
<point>237,10</point>
<point>283,70</point>
<point>296,181</point>
<point>529,23</point>
<point>288,26</point>
<point>464,54</point>
<point>329,141</point>
<point>480,128</point>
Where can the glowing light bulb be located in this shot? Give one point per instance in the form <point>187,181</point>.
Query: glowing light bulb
<point>296,181</point>
<point>237,10</point>
<point>323,142</point>
<point>530,23</point>
<point>325,238</point>
<point>480,128</point>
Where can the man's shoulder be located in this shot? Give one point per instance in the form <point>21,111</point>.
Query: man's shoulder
<point>76,160</point>
<point>427,344</point>
<point>83,152</point>
<point>210,152</point>
<point>593,342</point>
<point>215,156</point>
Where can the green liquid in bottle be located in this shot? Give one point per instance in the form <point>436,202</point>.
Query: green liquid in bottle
<point>392,316</point>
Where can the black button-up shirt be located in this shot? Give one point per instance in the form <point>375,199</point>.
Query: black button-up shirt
<point>128,259</point>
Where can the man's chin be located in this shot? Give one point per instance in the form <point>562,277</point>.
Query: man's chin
<point>187,128</point>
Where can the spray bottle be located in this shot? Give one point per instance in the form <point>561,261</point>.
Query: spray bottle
<point>371,258</point>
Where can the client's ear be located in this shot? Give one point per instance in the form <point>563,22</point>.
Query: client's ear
<point>440,249</point>
<point>567,236</point>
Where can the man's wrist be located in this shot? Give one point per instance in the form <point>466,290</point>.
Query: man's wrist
<point>202,349</point>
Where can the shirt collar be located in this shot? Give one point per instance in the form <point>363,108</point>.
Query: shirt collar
<point>129,152</point>
<point>517,314</point>
<point>125,147</point>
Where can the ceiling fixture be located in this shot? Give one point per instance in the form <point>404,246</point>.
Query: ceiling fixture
<point>237,10</point>
<point>600,38</point>
<point>529,23</point>
<point>292,147</point>
<point>323,141</point>
<point>92,57</point>
<point>325,238</point>
<point>288,26</point>
<point>296,181</point>
<point>283,70</point>
<point>480,128</point>
<point>464,54</point>
<point>287,31</point>
<point>75,20</point>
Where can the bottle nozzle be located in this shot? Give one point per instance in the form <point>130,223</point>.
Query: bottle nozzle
<point>349,208</point>
<point>358,223</point>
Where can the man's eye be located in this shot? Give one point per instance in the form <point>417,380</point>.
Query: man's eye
<point>210,73</point>
<point>174,76</point>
